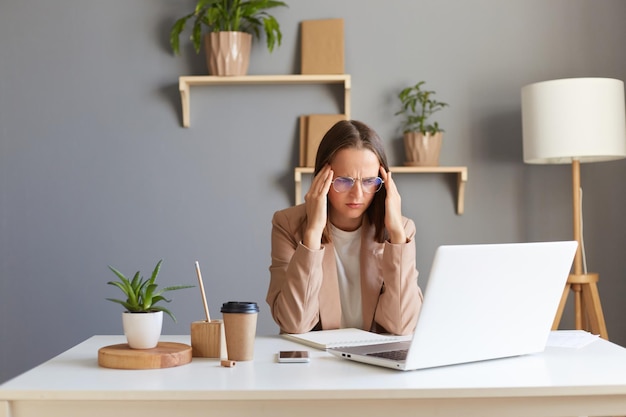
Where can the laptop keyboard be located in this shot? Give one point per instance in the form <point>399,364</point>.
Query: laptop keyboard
<point>396,355</point>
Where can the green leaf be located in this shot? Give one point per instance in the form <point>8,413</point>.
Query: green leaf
<point>175,32</point>
<point>196,37</point>
<point>272,32</point>
<point>203,4</point>
<point>147,298</point>
<point>142,295</point>
<point>125,286</point>
<point>119,274</point>
<point>119,285</point>
<point>116,301</point>
<point>136,282</point>
<point>166,311</point>
<point>158,298</point>
<point>155,272</point>
<point>177,287</point>
<point>124,303</point>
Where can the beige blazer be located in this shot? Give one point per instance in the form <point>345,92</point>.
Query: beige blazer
<point>303,294</point>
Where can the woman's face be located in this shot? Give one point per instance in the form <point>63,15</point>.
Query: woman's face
<point>346,209</point>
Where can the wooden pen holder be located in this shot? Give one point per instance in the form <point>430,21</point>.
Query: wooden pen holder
<point>208,339</point>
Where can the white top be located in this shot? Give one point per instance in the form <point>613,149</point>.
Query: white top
<point>600,366</point>
<point>561,381</point>
<point>348,256</point>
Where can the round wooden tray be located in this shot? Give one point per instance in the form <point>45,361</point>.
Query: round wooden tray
<point>165,355</point>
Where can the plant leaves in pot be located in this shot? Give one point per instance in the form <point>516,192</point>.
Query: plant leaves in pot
<point>230,25</point>
<point>142,319</point>
<point>422,138</point>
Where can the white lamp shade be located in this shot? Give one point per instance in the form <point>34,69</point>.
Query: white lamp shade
<point>574,118</point>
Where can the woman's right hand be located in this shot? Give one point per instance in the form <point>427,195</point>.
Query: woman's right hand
<point>317,208</point>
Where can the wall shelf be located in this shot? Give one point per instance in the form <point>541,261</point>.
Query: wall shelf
<point>185,83</point>
<point>461,173</point>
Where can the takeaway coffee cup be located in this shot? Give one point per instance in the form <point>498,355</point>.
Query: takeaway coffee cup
<point>240,329</point>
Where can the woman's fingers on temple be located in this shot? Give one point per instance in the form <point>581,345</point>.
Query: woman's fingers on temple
<point>329,179</point>
<point>387,178</point>
<point>319,180</point>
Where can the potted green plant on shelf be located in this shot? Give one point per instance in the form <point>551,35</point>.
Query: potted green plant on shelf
<point>422,138</point>
<point>230,25</point>
<point>143,319</point>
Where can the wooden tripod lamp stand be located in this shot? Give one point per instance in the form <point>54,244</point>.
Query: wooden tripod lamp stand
<point>576,120</point>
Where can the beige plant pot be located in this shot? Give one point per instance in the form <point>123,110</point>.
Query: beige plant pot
<point>422,150</point>
<point>228,53</point>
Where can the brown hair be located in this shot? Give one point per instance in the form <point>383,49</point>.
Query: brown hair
<point>354,134</point>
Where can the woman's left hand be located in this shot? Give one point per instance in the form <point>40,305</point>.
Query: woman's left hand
<point>393,209</point>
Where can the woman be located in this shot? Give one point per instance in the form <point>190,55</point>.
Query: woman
<point>346,257</point>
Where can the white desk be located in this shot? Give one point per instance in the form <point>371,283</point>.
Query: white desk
<point>559,382</point>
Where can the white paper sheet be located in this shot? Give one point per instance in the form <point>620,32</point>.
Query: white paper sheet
<point>575,339</point>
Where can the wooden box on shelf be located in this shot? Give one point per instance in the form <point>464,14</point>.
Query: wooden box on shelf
<point>313,127</point>
<point>322,46</point>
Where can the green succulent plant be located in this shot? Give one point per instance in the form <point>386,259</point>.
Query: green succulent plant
<point>229,15</point>
<point>142,295</point>
<point>418,106</point>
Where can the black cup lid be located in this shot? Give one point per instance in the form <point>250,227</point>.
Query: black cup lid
<point>240,307</point>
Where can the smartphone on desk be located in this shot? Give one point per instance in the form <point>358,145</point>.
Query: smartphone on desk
<point>293,356</point>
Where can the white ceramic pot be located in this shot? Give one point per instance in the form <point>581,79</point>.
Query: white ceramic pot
<point>142,330</point>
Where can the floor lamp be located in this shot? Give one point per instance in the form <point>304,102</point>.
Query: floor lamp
<point>576,120</point>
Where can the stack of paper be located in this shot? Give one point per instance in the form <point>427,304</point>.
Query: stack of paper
<point>324,339</point>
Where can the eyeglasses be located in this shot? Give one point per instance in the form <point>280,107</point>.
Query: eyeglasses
<point>369,185</point>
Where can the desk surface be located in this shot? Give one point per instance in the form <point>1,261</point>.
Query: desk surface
<point>560,381</point>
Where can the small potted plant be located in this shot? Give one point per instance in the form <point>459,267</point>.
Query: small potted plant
<point>422,138</point>
<point>230,25</point>
<point>143,319</point>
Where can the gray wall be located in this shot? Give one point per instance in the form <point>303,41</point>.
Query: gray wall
<point>96,170</point>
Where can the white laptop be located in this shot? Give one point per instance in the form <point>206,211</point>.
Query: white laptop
<point>481,302</point>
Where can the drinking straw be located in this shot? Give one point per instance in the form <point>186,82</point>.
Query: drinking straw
<point>206,306</point>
